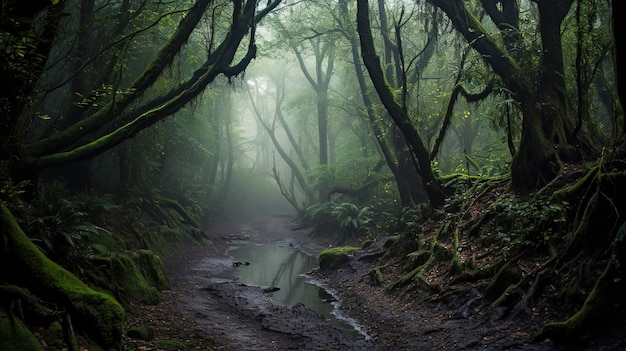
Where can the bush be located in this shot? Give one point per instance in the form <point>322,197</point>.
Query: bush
<point>345,220</point>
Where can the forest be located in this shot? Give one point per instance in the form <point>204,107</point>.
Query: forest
<point>479,143</point>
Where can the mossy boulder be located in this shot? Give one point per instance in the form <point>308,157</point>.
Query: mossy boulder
<point>140,333</point>
<point>140,275</point>
<point>14,336</point>
<point>335,257</point>
<point>130,275</point>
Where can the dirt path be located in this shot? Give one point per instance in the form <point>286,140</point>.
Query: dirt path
<point>208,311</point>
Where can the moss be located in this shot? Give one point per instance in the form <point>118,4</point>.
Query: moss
<point>171,345</point>
<point>456,266</point>
<point>140,333</point>
<point>367,243</point>
<point>603,301</point>
<point>376,276</point>
<point>416,259</point>
<point>53,335</point>
<point>391,241</point>
<point>168,239</point>
<point>97,313</point>
<point>507,276</point>
<point>140,275</point>
<point>100,250</point>
<point>335,257</point>
<point>510,295</point>
<point>14,336</point>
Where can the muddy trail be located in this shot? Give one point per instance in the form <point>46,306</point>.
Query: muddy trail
<point>209,308</point>
<point>239,316</point>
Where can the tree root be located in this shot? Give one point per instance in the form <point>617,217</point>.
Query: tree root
<point>607,298</point>
<point>98,313</point>
<point>606,295</point>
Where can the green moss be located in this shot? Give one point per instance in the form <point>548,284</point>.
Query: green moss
<point>366,243</point>
<point>100,250</point>
<point>94,312</point>
<point>14,336</point>
<point>53,335</point>
<point>335,257</point>
<point>391,241</point>
<point>376,276</point>
<point>171,345</point>
<point>140,333</point>
<point>604,300</point>
<point>140,275</point>
<point>508,275</point>
<point>416,259</point>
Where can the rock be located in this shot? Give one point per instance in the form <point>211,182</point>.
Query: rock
<point>335,257</point>
<point>140,333</point>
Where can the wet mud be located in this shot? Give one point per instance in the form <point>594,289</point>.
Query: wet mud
<point>245,317</point>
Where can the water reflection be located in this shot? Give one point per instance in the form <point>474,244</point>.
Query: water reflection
<point>282,266</point>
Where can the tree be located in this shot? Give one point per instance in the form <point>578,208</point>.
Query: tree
<point>299,167</point>
<point>313,37</point>
<point>396,108</point>
<point>548,136</point>
<point>126,113</point>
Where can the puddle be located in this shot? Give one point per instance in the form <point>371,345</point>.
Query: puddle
<point>282,266</point>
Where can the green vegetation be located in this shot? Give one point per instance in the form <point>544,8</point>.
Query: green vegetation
<point>491,153</point>
<point>335,257</point>
<point>14,336</point>
<point>343,221</point>
<point>141,333</point>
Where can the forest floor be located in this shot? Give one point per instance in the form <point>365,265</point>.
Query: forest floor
<point>207,312</point>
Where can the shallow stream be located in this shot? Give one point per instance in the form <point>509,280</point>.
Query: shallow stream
<point>284,267</point>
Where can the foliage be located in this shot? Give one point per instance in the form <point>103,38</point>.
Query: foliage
<point>60,226</point>
<point>410,217</point>
<point>346,220</point>
<point>532,223</point>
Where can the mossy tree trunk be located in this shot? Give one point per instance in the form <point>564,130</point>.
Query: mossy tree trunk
<point>541,94</point>
<point>115,122</point>
<point>98,314</point>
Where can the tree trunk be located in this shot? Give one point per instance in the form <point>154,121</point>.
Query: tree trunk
<point>54,149</point>
<point>419,153</point>
<point>97,313</point>
<point>546,125</point>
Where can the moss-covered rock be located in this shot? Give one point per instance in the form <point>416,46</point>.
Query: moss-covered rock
<point>335,257</point>
<point>14,336</point>
<point>96,313</point>
<point>140,275</point>
<point>131,275</point>
<point>140,333</point>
